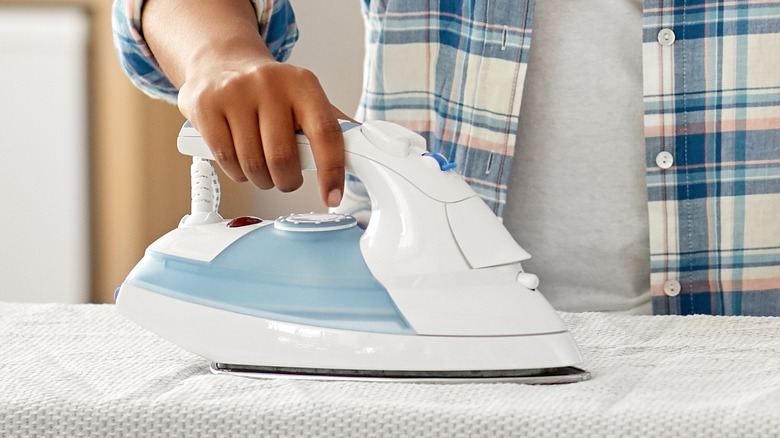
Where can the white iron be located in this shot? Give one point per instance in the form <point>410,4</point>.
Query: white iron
<point>432,290</point>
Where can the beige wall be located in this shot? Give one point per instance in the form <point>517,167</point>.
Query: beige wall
<point>331,45</point>
<point>139,183</point>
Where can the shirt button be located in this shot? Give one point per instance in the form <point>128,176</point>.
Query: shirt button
<point>664,160</point>
<point>672,288</point>
<point>666,37</point>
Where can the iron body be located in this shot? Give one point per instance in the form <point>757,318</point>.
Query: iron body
<point>431,290</point>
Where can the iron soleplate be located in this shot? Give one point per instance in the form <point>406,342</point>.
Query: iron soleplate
<point>542,376</point>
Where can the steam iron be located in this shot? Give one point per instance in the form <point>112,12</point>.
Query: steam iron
<point>431,291</point>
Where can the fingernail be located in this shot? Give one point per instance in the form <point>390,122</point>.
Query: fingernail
<point>334,198</point>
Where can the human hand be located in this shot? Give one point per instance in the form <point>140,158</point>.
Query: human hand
<point>248,108</point>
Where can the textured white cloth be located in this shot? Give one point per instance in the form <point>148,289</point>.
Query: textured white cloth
<point>83,370</point>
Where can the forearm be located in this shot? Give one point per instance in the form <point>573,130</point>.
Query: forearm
<point>184,38</point>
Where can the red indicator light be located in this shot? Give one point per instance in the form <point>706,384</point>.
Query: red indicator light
<point>243,221</point>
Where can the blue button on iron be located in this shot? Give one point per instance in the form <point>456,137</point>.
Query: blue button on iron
<point>444,164</point>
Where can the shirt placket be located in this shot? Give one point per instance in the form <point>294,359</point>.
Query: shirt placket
<point>659,43</point>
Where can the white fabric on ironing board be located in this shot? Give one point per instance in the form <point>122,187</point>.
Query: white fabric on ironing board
<point>83,370</point>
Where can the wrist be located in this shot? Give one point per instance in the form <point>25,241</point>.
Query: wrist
<point>227,53</point>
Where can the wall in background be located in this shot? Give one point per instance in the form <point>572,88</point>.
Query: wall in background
<point>331,46</point>
<point>134,195</point>
<point>45,241</point>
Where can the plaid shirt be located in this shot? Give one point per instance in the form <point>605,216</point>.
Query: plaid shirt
<point>712,122</point>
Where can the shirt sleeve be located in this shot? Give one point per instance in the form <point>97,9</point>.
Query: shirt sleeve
<point>276,23</point>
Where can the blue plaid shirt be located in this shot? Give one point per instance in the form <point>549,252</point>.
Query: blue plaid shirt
<point>712,121</point>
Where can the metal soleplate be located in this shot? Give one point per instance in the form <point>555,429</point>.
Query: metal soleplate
<point>544,376</point>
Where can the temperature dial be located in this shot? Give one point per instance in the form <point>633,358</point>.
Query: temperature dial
<point>314,222</point>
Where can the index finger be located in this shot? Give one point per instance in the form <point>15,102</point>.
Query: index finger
<point>327,146</point>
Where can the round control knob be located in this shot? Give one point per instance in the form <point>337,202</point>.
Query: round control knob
<point>312,222</point>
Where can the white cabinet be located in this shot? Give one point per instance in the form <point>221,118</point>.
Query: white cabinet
<point>44,191</point>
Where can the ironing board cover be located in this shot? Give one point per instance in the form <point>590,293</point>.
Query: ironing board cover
<point>83,370</point>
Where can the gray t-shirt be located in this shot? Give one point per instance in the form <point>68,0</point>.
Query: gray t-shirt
<point>577,200</point>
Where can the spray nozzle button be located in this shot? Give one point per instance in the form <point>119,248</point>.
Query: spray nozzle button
<point>444,164</point>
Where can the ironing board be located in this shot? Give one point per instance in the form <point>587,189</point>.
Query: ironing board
<point>83,370</point>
